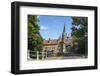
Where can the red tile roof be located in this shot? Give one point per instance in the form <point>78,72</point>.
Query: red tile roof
<point>50,42</point>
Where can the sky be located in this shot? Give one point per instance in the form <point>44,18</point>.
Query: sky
<point>52,26</point>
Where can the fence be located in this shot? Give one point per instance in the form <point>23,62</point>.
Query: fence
<point>37,55</point>
<point>41,55</point>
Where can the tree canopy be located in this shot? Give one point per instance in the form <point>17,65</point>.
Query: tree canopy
<point>79,33</point>
<point>34,37</point>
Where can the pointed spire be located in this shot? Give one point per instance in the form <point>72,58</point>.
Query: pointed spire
<point>64,29</point>
<point>64,34</point>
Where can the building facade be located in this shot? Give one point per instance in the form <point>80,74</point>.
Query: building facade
<point>56,45</point>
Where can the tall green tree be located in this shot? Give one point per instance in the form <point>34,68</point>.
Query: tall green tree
<point>34,38</point>
<point>79,33</point>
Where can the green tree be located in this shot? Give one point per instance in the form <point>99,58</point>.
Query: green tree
<point>79,33</point>
<point>34,38</point>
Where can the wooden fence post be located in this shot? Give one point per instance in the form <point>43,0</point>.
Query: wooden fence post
<point>37,55</point>
<point>42,54</point>
<point>46,54</point>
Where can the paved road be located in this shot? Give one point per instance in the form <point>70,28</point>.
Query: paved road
<point>67,57</point>
<point>60,58</point>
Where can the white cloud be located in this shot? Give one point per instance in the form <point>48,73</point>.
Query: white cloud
<point>43,28</point>
<point>38,16</point>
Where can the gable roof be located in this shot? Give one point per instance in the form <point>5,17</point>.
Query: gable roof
<point>50,42</point>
